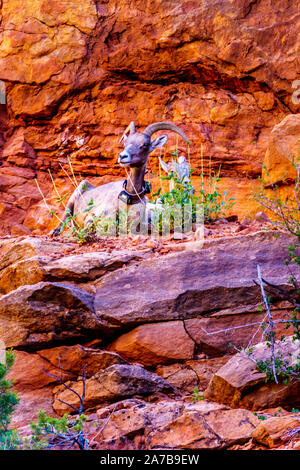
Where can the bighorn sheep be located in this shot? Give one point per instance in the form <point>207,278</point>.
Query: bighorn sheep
<point>89,200</point>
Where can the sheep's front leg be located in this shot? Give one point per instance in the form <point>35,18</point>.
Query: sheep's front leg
<point>69,211</point>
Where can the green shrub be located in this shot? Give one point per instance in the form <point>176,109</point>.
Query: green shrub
<point>65,432</point>
<point>9,438</point>
<point>207,204</point>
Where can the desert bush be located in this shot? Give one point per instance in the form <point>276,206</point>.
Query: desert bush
<point>9,438</point>
<point>214,204</point>
<point>65,433</point>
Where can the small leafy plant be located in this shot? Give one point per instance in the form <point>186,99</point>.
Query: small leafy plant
<point>284,371</point>
<point>260,416</point>
<point>65,432</point>
<point>207,204</point>
<point>215,203</point>
<point>196,396</point>
<point>180,206</point>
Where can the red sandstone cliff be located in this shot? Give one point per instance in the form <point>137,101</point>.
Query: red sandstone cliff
<point>77,72</point>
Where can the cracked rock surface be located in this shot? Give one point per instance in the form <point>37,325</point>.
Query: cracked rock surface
<point>159,368</point>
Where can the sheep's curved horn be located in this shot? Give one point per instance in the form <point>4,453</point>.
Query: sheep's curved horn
<point>159,126</point>
<point>130,128</point>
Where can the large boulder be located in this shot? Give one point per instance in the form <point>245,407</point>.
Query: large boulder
<point>189,292</point>
<point>31,372</point>
<point>218,333</point>
<point>276,430</point>
<point>283,149</point>
<point>191,375</point>
<point>123,425</point>
<point>29,262</point>
<point>200,428</point>
<point>169,424</point>
<point>36,315</point>
<point>241,383</point>
<point>13,250</point>
<point>203,287</point>
<point>109,385</point>
<point>155,343</point>
<point>76,359</point>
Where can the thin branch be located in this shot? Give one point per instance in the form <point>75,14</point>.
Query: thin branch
<point>55,188</point>
<point>83,389</point>
<point>78,438</point>
<point>62,382</point>
<point>245,326</point>
<point>271,324</point>
<point>104,425</point>
<point>73,174</point>
<point>282,294</point>
<point>45,202</point>
<point>68,404</point>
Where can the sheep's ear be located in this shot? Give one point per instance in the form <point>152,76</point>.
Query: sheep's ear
<point>159,142</point>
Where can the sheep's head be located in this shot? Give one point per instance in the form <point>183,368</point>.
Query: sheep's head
<point>138,146</point>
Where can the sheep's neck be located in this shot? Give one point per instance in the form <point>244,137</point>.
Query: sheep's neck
<point>135,182</point>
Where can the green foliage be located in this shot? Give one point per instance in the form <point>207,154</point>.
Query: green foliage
<point>177,208</point>
<point>65,432</point>
<point>98,226</point>
<point>284,370</point>
<point>196,395</point>
<point>259,416</point>
<point>294,322</point>
<point>8,400</point>
<point>213,203</point>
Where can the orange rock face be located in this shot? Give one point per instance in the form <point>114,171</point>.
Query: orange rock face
<point>283,150</point>
<point>76,74</point>
<point>150,344</point>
